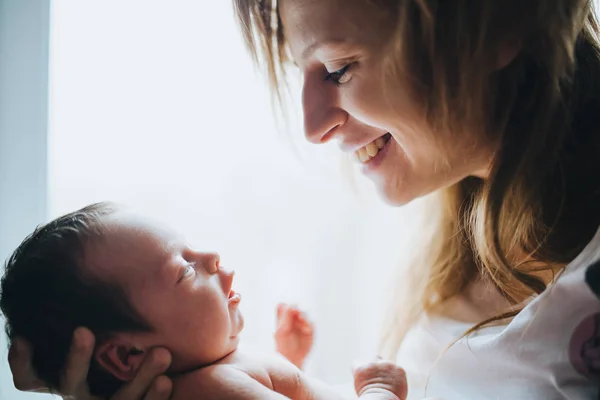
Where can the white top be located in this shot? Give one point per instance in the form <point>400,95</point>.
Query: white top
<point>550,350</point>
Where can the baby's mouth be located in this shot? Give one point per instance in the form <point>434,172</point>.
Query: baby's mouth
<point>234,297</point>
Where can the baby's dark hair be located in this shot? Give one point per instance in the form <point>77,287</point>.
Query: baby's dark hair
<point>47,292</point>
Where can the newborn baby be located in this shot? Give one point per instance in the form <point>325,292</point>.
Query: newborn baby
<point>138,285</point>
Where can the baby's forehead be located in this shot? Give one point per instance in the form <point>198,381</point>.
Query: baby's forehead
<point>130,243</point>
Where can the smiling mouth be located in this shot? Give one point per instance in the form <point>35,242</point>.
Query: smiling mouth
<point>368,152</point>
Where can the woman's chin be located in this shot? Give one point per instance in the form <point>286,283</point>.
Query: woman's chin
<point>395,196</point>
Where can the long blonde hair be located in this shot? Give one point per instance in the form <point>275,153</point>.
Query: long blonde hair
<point>541,200</point>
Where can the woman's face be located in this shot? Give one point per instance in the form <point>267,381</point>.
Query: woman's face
<point>340,47</point>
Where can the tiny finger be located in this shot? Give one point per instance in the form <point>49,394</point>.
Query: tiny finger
<point>280,309</point>
<point>302,316</point>
<point>285,322</point>
<point>306,329</point>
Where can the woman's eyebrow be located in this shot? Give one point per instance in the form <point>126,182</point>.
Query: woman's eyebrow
<point>309,50</point>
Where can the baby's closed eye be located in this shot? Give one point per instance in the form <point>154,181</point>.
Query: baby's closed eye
<point>187,271</point>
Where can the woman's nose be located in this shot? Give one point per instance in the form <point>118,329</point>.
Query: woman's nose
<point>322,114</point>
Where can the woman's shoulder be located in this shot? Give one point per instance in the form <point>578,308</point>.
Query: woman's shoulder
<point>562,324</point>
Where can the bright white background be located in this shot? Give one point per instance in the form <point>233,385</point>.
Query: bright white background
<point>156,104</point>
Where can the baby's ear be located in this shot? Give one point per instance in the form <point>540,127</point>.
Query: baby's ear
<point>120,357</point>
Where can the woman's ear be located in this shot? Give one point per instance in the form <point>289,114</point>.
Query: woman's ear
<point>120,358</point>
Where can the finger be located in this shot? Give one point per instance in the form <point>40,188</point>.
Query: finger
<point>293,308</point>
<point>301,325</point>
<point>286,322</point>
<point>302,319</point>
<point>306,329</point>
<point>19,360</point>
<point>155,364</point>
<point>281,307</point>
<point>304,325</point>
<point>302,316</point>
<point>74,377</point>
<point>161,389</point>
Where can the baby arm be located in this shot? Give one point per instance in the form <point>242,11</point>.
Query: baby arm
<point>377,380</point>
<point>294,339</point>
<point>223,383</point>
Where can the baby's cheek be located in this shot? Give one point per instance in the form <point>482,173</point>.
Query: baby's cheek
<point>211,328</point>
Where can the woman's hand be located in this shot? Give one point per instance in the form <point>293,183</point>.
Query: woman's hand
<point>294,334</point>
<point>147,385</point>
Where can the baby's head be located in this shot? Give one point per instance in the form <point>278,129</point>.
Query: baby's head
<point>133,282</point>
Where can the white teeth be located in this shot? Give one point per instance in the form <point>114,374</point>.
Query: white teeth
<point>369,151</point>
<point>362,155</point>
<point>372,149</point>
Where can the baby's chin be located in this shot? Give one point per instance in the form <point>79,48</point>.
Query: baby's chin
<point>217,351</point>
<point>183,363</point>
<point>237,325</point>
<point>234,343</point>
<point>230,347</point>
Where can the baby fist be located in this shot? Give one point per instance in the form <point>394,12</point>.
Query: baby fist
<point>381,379</point>
<point>294,334</point>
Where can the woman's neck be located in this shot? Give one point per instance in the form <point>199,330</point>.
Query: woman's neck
<point>480,301</point>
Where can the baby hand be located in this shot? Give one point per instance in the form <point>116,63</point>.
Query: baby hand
<point>380,380</point>
<point>294,334</point>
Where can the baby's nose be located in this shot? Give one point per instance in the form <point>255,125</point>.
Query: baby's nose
<point>210,261</point>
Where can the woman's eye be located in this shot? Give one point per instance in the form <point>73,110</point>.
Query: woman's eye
<point>340,76</point>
